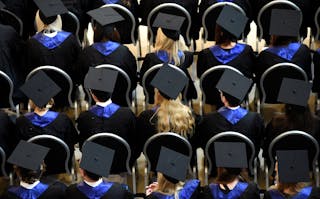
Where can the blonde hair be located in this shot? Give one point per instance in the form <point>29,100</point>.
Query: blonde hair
<point>167,187</point>
<point>46,107</point>
<point>174,116</point>
<point>56,25</point>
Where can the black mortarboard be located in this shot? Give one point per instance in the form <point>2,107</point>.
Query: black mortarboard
<point>170,24</point>
<point>293,166</point>
<point>294,91</point>
<point>40,89</point>
<point>284,22</point>
<point>101,79</point>
<point>232,20</point>
<point>28,155</point>
<point>231,154</point>
<point>51,8</point>
<point>172,165</point>
<point>169,81</point>
<point>105,15</point>
<point>2,5</point>
<point>96,158</point>
<point>234,84</point>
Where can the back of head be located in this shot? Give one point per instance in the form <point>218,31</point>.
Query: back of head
<point>282,40</point>
<point>222,36</point>
<point>299,118</point>
<point>106,33</point>
<point>29,176</point>
<point>232,101</point>
<point>227,175</point>
<point>52,23</point>
<point>91,175</point>
<point>101,95</point>
<point>169,45</point>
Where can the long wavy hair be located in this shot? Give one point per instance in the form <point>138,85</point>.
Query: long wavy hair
<point>167,187</point>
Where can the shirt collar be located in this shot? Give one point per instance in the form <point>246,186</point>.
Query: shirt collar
<point>93,184</point>
<point>29,186</point>
<point>233,108</point>
<point>104,104</point>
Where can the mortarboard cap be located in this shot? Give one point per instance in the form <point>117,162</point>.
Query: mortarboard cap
<point>50,8</point>
<point>40,89</point>
<point>231,154</point>
<point>293,166</point>
<point>172,165</point>
<point>2,5</point>
<point>170,24</point>
<point>169,81</point>
<point>105,15</point>
<point>294,91</point>
<point>232,20</point>
<point>101,79</point>
<point>96,158</point>
<point>28,155</point>
<point>284,22</point>
<point>234,84</point>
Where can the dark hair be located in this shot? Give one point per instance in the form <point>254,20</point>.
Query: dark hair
<point>231,100</point>
<point>106,33</point>
<point>92,176</point>
<point>282,40</point>
<point>29,176</point>
<point>299,117</point>
<point>101,95</point>
<point>227,175</point>
<point>222,36</point>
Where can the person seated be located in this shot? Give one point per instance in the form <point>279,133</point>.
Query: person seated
<point>28,160</point>
<point>108,50</point>
<point>95,163</point>
<point>231,117</point>
<point>316,71</point>
<point>230,159</point>
<point>168,50</point>
<point>292,183</point>
<point>226,51</point>
<point>40,89</point>
<point>106,116</point>
<point>170,183</point>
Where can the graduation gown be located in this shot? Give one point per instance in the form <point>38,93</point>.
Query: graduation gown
<point>316,80</point>
<point>41,191</point>
<point>190,190</point>
<point>160,57</point>
<point>104,190</point>
<point>242,190</point>
<point>305,193</point>
<point>110,53</point>
<point>6,138</point>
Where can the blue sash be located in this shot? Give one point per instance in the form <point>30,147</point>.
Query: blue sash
<point>110,1</point>
<point>235,193</point>
<point>318,50</point>
<point>52,42</point>
<point>106,48</point>
<point>188,189</point>
<point>24,193</point>
<point>164,56</point>
<point>94,192</point>
<point>233,116</point>
<point>303,194</point>
<point>42,121</point>
<point>226,56</point>
<point>105,112</point>
<point>286,52</point>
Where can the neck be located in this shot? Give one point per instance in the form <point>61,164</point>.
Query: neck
<point>41,112</point>
<point>228,45</point>
<point>231,185</point>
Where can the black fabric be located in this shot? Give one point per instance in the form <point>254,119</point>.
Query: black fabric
<point>316,80</point>
<point>315,193</point>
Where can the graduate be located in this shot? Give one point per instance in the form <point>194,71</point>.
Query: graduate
<point>28,160</point>
<point>108,50</point>
<point>95,164</point>
<point>230,159</point>
<point>40,89</point>
<point>226,51</point>
<point>105,115</point>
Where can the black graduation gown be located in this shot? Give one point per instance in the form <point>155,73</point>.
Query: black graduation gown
<point>152,59</point>
<point>316,80</point>
<point>315,194</point>
<point>251,192</point>
<point>7,127</point>
<point>121,57</point>
<point>55,190</point>
<point>115,191</point>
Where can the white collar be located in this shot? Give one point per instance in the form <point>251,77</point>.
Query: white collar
<point>29,186</point>
<point>104,104</point>
<point>93,184</point>
<point>233,108</point>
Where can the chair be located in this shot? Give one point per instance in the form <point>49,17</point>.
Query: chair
<point>71,24</point>
<point>210,15</point>
<point>316,20</point>
<point>230,136</point>
<point>294,140</point>
<point>3,160</point>
<point>208,82</point>
<point>9,18</point>
<point>9,93</point>
<point>59,158</point>
<point>152,147</point>
<point>271,79</point>
<point>121,160</point>
<point>169,8</point>
<point>149,90</point>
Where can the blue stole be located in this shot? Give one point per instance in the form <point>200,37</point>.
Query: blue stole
<point>24,193</point>
<point>235,193</point>
<point>105,112</point>
<point>286,52</point>
<point>164,56</point>
<point>110,1</point>
<point>224,0</point>
<point>318,50</point>
<point>42,121</point>
<point>225,56</point>
<point>94,192</point>
<point>233,116</point>
<point>106,48</point>
<point>52,42</point>
<point>189,188</point>
<point>303,194</point>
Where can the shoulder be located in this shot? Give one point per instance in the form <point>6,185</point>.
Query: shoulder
<point>125,111</point>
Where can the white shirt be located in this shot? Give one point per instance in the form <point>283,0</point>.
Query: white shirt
<point>93,184</point>
<point>29,186</point>
<point>104,104</point>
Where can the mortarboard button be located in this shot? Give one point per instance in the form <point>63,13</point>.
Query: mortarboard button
<point>284,22</point>
<point>105,15</point>
<point>170,24</point>
<point>230,154</point>
<point>51,8</point>
<point>101,79</point>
